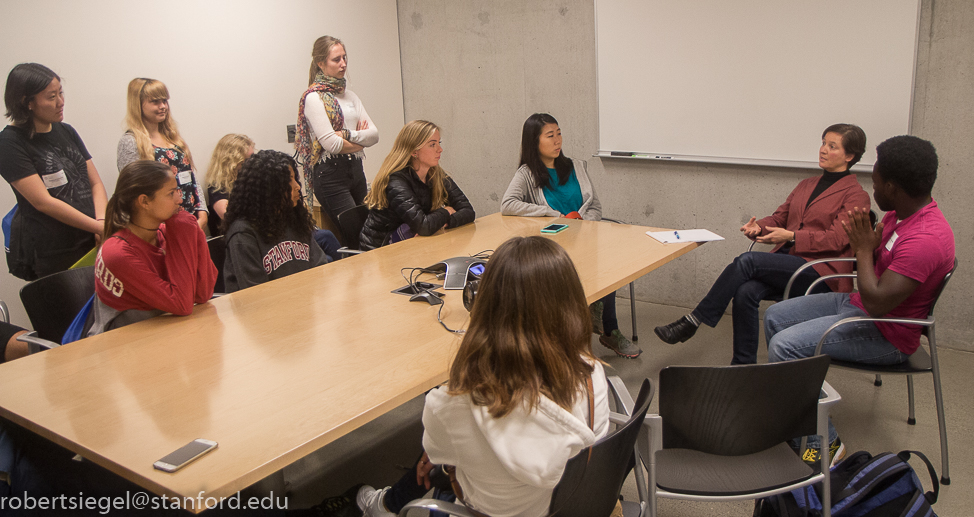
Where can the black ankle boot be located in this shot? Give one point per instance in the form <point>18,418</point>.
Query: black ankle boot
<point>677,332</point>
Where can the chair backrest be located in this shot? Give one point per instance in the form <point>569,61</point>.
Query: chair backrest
<point>590,486</point>
<point>53,301</point>
<point>218,254</point>
<point>737,410</point>
<point>943,284</point>
<point>351,222</point>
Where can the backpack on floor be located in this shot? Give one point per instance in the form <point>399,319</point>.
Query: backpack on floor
<point>862,485</point>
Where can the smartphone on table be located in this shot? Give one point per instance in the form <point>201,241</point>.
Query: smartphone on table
<point>182,456</point>
<point>554,228</point>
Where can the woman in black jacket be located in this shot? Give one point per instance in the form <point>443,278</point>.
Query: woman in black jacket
<point>411,194</point>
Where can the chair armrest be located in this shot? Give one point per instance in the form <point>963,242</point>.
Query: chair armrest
<point>821,279</point>
<point>624,402</point>
<point>348,251</point>
<point>613,220</point>
<point>829,396</point>
<point>36,344</point>
<point>812,264</point>
<point>618,418</point>
<point>4,312</point>
<point>436,504</point>
<point>928,322</point>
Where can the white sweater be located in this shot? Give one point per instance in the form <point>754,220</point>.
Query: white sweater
<point>509,466</point>
<point>352,110</point>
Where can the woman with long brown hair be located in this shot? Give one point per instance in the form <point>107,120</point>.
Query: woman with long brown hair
<point>154,258</point>
<point>525,393</point>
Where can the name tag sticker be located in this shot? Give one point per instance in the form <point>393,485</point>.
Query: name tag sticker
<point>184,177</point>
<point>55,180</point>
<point>889,243</point>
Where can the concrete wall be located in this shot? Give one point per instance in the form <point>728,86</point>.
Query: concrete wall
<point>478,69</point>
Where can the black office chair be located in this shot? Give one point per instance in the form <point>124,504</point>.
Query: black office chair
<point>590,485</point>
<point>218,254</point>
<point>722,432</point>
<point>350,223</point>
<point>919,362</point>
<point>53,301</point>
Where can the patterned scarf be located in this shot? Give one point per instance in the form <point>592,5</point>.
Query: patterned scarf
<point>308,149</point>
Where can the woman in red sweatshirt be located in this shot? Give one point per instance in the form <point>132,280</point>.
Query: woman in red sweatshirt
<point>154,258</point>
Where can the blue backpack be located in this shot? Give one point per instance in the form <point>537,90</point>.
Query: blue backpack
<point>862,485</point>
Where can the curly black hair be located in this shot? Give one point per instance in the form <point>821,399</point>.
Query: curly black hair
<point>909,162</point>
<point>262,196</point>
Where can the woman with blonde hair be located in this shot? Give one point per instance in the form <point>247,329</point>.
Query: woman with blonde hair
<point>152,134</point>
<point>411,194</point>
<point>525,392</point>
<point>228,157</point>
<point>332,132</point>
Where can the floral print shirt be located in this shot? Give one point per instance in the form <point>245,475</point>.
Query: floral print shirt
<point>193,200</point>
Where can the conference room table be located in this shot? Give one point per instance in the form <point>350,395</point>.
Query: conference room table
<point>275,372</point>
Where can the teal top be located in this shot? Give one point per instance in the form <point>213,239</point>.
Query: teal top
<point>565,198</point>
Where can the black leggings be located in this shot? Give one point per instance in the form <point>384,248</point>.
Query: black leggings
<point>339,184</point>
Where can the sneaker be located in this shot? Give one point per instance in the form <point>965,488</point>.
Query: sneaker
<point>620,345</point>
<point>370,502</point>
<point>677,332</point>
<point>340,506</point>
<point>596,310</point>
<point>836,454</point>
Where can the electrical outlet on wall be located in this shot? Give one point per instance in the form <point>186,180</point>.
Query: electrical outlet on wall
<point>290,133</point>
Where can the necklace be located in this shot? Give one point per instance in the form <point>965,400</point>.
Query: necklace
<point>144,228</point>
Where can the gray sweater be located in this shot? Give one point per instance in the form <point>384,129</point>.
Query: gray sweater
<point>526,199</point>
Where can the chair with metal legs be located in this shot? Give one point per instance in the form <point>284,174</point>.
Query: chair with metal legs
<point>920,362</point>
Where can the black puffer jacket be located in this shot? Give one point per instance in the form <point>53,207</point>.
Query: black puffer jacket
<point>410,201</point>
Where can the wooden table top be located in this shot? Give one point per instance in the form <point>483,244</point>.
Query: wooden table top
<point>279,370</point>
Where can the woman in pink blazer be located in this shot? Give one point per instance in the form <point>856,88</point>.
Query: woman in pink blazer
<point>807,226</point>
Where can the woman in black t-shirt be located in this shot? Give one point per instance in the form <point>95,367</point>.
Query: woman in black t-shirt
<point>60,196</point>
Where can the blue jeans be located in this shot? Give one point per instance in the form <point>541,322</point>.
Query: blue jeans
<point>794,327</point>
<point>752,277</point>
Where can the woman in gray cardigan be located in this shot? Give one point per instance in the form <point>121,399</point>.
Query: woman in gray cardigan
<point>549,184</point>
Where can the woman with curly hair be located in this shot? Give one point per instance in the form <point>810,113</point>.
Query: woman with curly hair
<point>411,194</point>
<point>269,230</point>
<point>152,135</point>
<point>525,392</point>
<point>154,258</point>
<point>228,156</point>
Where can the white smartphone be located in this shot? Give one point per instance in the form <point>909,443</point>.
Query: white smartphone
<point>180,457</point>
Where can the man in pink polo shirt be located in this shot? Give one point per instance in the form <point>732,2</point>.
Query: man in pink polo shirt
<point>901,265</point>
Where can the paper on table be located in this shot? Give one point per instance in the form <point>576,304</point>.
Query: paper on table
<point>698,235</point>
